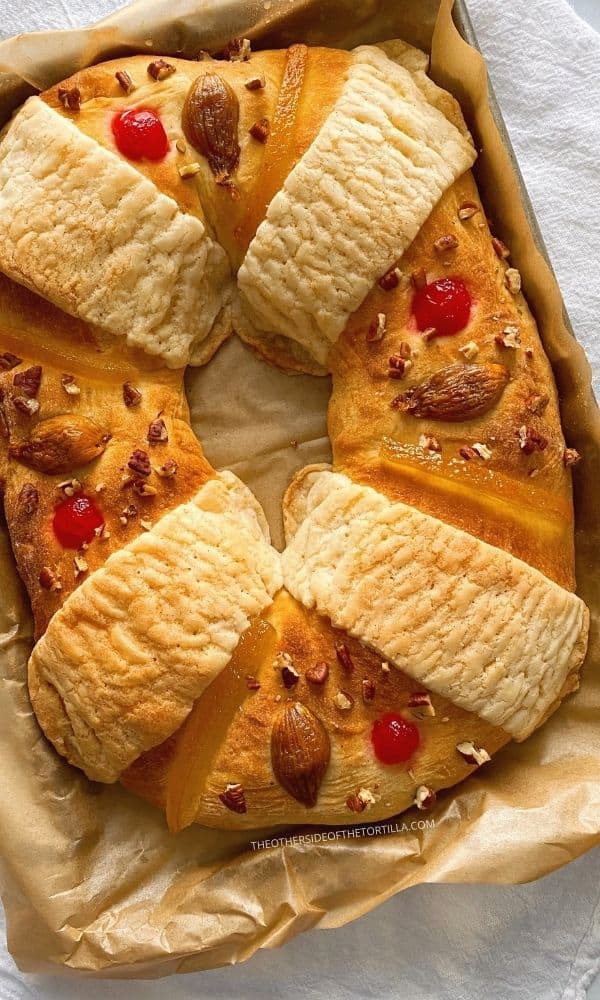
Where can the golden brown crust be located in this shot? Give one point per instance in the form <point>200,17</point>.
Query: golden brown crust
<point>520,502</point>
<point>498,500</point>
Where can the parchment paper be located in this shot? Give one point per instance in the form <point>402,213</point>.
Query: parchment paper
<point>91,880</point>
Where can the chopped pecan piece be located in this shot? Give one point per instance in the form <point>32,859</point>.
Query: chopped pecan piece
<point>49,580</point>
<point>289,675</point>
<point>157,432</point>
<point>472,754</point>
<point>131,395</point>
<point>140,462</point>
<point>251,683</point>
<point>482,450</point>
<point>28,381</point>
<point>419,278</point>
<point>398,366</point>
<point>189,170</point>
<point>8,361</point>
<point>538,404</point>
<point>28,499</point>
<point>260,130</point>
<point>420,705</point>
<point>70,385</point>
<point>29,407</point>
<point>255,83</point>
<point>469,351</point>
<point>389,280</point>
<point>425,797</point>
<point>500,249</point>
<point>143,488</point>
<point>168,470</point>
<point>513,280</point>
<point>80,565</point>
<point>467,453</point>
<point>531,440</point>
<point>467,210</point>
<point>70,98</point>
<point>160,69</point>
<point>233,798</point>
<point>377,328</point>
<point>571,457</point>
<point>510,338</point>
<point>368,690</point>
<point>446,243</point>
<point>238,50</point>
<point>124,80</point>
<point>360,800</point>
<point>430,443</point>
<point>343,701</point>
<point>344,659</point>
<point>317,674</point>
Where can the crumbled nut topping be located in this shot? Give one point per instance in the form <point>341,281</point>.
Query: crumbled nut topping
<point>160,69</point>
<point>467,453</point>
<point>482,450</point>
<point>289,675</point>
<point>181,146</point>
<point>528,353</point>
<point>131,395</point>
<point>391,279</point>
<point>251,683</point>
<point>8,361</point>
<point>29,407</point>
<point>405,350</point>
<point>429,334</point>
<point>571,457</point>
<point>473,754</point>
<point>513,280</point>
<point>420,705</point>
<point>538,404</point>
<point>260,130</point>
<point>385,667</point>
<point>398,366</point>
<point>343,701</point>
<point>282,660</point>
<point>424,797</point>
<point>69,487</point>
<point>531,440</point>
<point>139,462</point>
<point>238,50</point>
<point>124,80</point>
<point>127,513</point>
<point>28,499</point>
<point>509,338</point>
<point>157,432</point>
<point>344,659</point>
<point>430,443</point>
<point>501,250</point>
<point>467,210</point>
<point>255,83</point>
<point>28,381</point>
<point>146,525</point>
<point>233,798</point>
<point>368,690</point>
<point>102,533</point>
<point>168,470</point>
<point>446,243</point>
<point>99,487</point>
<point>360,800</point>
<point>49,580</point>
<point>144,489</point>
<point>80,565</point>
<point>419,278</point>
<point>189,170</point>
<point>317,674</point>
<point>70,98</point>
<point>69,385</point>
<point>377,329</point>
<point>469,351</point>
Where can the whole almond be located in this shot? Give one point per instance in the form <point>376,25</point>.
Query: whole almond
<point>300,751</point>
<point>59,444</point>
<point>210,123</point>
<point>458,392</point>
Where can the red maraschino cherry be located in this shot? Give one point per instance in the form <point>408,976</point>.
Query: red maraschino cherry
<point>140,134</point>
<point>75,521</point>
<point>394,739</point>
<point>444,305</point>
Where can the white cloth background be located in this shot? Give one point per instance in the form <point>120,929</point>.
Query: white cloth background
<point>535,942</point>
